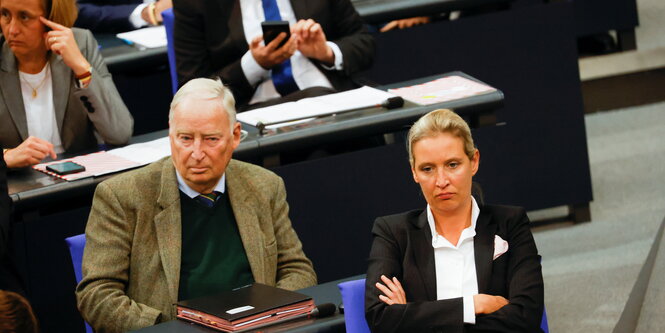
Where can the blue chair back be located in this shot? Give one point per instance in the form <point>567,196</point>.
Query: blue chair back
<point>353,298</point>
<point>76,245</point>
<point>169,21</point>
<point>543,322</point>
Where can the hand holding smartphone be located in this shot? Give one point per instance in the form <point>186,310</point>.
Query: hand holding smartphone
<point>271,29</point>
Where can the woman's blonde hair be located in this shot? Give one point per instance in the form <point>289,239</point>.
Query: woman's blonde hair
<point>63,12</point>
<point>437,122</point>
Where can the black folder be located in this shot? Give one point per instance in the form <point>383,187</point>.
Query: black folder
<point>246,308</point>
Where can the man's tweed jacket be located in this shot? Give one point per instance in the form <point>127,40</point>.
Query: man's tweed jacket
<point>131,263</point>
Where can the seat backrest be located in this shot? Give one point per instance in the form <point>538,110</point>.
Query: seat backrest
<point>543,323</point>
<point>353,298</point>
<point>169,21</point>
<point>76,246</point>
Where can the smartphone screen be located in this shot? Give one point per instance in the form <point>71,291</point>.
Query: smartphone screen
<point>273,28</point>
<point>65,168</point>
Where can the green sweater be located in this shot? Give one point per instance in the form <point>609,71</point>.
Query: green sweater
<point>213,258</point>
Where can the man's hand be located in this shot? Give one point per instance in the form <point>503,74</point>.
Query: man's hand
<point>312,41</point>
<point>406,23</point>
<point>393,293</point>
<point>270,55</point>
<point>488,303</point>
<point>159,6</point>
<point>30,152</point>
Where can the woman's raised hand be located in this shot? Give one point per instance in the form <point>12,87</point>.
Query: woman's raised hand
<point>61,41</point>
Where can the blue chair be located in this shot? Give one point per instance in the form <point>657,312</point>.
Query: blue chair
<point>543,322</point>
<point>353,298</point>
<point>169,20</point>
<point>76,245</point>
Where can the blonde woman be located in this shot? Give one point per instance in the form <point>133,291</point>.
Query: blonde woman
<point>457,265</point>
<point>56,92</point>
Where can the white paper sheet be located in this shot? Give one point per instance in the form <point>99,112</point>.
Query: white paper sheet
<point>315,106</point>
<point>144,153</point>
<point>147,37</point>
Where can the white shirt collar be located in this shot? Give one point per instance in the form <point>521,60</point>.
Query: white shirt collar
<point>220,187</point>
<point>468,233</point>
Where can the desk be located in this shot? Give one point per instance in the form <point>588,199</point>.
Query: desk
<point>322,293</point>
<point>383,11</point>
<point>32,190</point>
<point>49,210</point>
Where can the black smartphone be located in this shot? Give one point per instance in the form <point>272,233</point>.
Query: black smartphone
<point>273,28</point>
<point>65,168</point>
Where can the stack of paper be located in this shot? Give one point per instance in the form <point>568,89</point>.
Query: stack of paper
<point>364,97</point>
<point>95,164</point>
<point>147,37</point>
<point>442,90</point>
<point>105,162</point>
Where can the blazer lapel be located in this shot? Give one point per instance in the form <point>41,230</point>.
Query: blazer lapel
<point>11,90</point>
<point>235,26</point>
<point>483,246</point>
<point>168,227</point>
<point>299,9</point>
<point>248,225</point>
<point>60,88</point>
<point>421,241</point>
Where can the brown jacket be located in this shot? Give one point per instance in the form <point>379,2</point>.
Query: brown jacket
<point>131,263</point>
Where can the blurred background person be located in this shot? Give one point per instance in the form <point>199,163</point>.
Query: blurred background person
<point>120,15</point>
<point>459,265</point>
<point>329,44</point>
<point>16,314</point>
<point>57,93</point>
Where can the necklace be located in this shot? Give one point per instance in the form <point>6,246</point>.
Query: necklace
<point>41,83</point>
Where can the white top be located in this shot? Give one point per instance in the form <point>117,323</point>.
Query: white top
<point>455,264</point>
<point>182,186</point>
<point>40,110</point>
<point>305,73</point>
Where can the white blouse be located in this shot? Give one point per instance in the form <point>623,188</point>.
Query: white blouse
<point>37,92</point>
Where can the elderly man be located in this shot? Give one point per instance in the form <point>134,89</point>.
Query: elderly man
<point>192,224</point>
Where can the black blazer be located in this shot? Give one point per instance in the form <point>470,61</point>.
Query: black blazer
<point>9,278</point>
<point>210,41</point>
<point>402,247</point>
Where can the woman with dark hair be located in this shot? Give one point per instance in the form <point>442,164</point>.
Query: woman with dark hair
<point>56,93</point>
<point>458,265</point>
<point>16,314</point>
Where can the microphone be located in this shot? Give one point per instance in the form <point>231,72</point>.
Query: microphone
<point>323,310</point>
<point>393,102</point>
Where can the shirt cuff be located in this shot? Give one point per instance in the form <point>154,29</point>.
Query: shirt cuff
<point>253,71</point>
<point>339,61</point>
<point>469,310</point>
<point>135,17</point>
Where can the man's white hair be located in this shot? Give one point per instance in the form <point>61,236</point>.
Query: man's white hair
<point>206,89</point>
